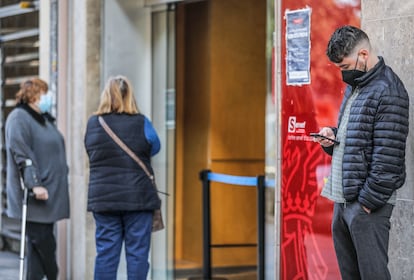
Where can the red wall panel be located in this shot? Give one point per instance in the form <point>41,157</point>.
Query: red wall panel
<point>306,244</point>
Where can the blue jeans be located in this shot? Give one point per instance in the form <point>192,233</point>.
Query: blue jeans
<point>361,241</point>
<point>114,228</point>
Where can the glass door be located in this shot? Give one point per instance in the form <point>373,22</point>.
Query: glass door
<point>163,118</point>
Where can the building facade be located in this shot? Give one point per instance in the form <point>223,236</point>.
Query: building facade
<point>211,76</point>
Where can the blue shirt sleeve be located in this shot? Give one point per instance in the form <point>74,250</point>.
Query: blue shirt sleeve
<point>152,137</point>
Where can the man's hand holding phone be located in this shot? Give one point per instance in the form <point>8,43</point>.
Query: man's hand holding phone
<point>325,137</point>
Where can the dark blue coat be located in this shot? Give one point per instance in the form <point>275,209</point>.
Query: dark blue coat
<point>116,181</point>
<point>373,165</point>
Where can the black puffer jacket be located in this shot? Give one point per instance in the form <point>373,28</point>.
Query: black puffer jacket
<point>374,158</point>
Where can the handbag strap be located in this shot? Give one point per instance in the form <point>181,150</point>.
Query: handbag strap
<point>125,148</point>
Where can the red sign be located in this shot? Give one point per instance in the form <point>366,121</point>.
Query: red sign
<point>306,244</point>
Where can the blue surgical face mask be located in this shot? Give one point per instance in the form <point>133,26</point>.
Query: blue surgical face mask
<point>45,103</point>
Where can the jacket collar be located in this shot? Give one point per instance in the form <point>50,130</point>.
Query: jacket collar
<point>372,73</point>
<point>35,115</point>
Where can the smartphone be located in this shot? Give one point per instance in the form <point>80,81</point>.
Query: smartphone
<point>317,135</point>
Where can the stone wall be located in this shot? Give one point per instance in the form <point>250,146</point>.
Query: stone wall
<point>82,98</point>
<point>389,25</point>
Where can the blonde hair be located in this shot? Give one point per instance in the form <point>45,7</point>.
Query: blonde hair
<point>117,97</point>
<point>30,90</point>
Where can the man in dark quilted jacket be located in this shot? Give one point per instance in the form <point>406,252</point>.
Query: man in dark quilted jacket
<point>368,156</point>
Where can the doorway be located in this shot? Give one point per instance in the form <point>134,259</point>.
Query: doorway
<point>220,125</point>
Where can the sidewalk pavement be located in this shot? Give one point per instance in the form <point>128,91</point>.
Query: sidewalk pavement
<point>9,265</point>
<point>9,269</point>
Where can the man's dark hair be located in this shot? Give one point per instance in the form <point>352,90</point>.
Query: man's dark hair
<point>343,41</point>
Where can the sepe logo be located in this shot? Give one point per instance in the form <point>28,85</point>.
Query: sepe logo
<point>295,126</point>
<point>291,124</point>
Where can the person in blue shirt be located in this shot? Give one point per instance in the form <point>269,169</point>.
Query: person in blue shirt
<point>121,196</point>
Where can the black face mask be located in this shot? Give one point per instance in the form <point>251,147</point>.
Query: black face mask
<point>349,76</point>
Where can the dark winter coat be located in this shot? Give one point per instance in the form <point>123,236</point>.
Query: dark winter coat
<point>116,181</point>
<point>31,136</point>
<point>374,157</point>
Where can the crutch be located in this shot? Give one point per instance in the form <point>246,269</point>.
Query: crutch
<point>23,231</point>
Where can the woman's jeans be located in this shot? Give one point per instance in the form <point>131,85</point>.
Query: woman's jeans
<point>114,228</point>
<point>41,251</point>
<point>361,241</point>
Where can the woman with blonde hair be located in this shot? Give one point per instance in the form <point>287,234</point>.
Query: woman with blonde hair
<point>121,196</point>
<point>36,154</point>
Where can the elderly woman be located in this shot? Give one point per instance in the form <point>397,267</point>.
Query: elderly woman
<point>121,195</point>
<point>36,153</point>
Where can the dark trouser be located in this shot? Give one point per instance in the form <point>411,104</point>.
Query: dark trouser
<point>361,241</point>
<point>113,229</point>
<point>41,251</point>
